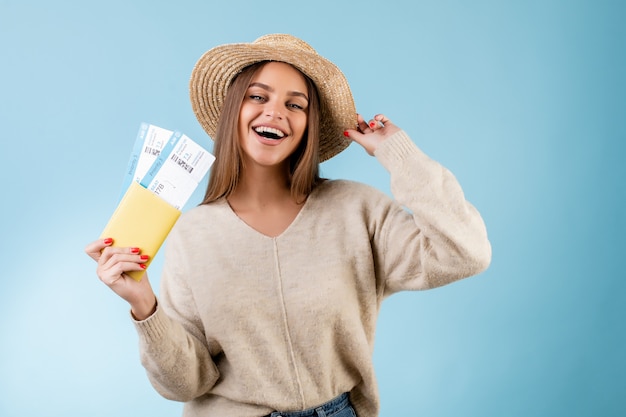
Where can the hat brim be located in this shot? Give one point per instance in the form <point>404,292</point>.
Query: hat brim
<point>215,70</point>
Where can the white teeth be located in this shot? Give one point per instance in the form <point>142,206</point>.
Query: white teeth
<point>270,130</point>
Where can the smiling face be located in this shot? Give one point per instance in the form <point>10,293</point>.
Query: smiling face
<point>273,115</point>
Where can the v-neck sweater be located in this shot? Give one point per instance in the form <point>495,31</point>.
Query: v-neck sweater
<point>247,324</point>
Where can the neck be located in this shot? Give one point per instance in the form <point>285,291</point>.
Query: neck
<point>261,186</point>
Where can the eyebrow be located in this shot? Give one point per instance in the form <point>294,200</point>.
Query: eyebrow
<point>270,89</point>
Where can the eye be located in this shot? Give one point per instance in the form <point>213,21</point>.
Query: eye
<point>255,97</point>
<point>295,106</point>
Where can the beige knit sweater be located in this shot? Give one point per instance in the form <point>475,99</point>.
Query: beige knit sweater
<point>248,324</point>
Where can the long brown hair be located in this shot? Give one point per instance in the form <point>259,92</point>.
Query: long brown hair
<point>303,163</point>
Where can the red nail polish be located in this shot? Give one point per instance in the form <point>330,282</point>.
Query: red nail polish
<point>134,250</point>
<point>346,133</point>
<point>143,266</point>
<point>372,125</point>
<point>108,241</point>
<point>144,257</point>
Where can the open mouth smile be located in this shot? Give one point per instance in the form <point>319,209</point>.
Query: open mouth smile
<point>270,132</point>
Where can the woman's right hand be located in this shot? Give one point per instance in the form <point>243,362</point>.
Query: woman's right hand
<point>113,263</point>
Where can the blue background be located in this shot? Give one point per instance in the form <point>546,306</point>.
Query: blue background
<point>524,101</point>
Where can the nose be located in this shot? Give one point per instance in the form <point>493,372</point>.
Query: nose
<point>273,110</point>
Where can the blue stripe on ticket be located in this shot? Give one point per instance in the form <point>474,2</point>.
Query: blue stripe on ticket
<point>163,155</point>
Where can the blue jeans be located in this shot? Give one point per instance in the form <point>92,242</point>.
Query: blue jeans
<point>337,407</point>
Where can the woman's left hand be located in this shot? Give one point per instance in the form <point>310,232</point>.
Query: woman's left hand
<point>371,134</point>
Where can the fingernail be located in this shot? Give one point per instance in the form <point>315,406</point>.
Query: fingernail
<point>143,266</point>
<point>108,241</point>
<point>372,125</point>
<point>346,133</point>
<point>134,250</point>
<point>144,257</point>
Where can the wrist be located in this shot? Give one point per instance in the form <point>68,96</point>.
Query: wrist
<point>143,309</point>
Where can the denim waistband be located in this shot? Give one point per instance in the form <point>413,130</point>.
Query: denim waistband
<point>323,410</point>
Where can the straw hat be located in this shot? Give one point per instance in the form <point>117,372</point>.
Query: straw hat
<point>215,70</point>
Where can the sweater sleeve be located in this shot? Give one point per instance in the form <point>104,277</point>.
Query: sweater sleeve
<point>441,239</point>
<point>172,345</point>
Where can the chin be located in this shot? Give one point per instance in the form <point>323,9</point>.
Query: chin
<point>267,161</point>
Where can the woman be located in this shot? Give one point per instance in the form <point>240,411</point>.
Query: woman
<point>272,286</point>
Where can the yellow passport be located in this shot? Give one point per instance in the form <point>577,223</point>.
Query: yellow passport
<point>143,220</point>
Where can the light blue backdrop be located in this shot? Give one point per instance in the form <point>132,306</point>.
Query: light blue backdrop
<point>525,101</point>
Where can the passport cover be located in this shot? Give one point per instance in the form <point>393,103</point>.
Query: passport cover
<point>142,219</point>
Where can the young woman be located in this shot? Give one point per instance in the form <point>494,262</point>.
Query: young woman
<point>272,286</point>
